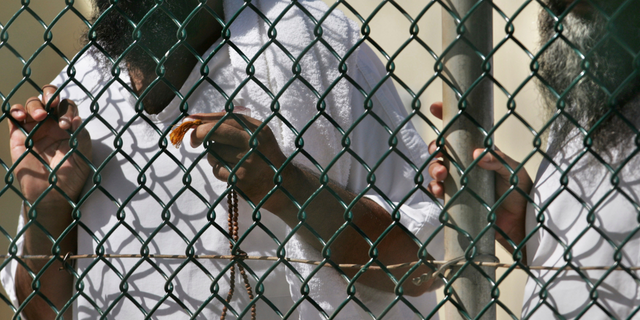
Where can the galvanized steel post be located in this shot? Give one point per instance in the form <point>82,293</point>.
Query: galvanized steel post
<point>471,30</point>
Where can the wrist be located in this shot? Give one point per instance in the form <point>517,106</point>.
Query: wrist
<point>49,204</point>
<point>55,216</point>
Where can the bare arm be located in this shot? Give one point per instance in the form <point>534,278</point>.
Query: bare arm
<point>325,214</point>
<point>53,212</point>
<point>55,284</point>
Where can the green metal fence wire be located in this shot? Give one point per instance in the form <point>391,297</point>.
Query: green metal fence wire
<point>417,113</point>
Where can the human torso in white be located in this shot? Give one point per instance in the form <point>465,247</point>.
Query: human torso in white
<point>586,216</point>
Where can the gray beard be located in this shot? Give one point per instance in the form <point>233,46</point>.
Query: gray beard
<point>587,103</point>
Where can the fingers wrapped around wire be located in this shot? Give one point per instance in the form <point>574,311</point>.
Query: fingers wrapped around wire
<point>236,142</point>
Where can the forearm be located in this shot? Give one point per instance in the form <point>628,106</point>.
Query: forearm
<point>54,284</point>
<point>325,212</point>
<point>325,215</point>
<point>514,227</point>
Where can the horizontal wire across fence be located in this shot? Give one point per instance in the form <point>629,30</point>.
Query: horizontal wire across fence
<point>313,262</point>
<point>107,258</point>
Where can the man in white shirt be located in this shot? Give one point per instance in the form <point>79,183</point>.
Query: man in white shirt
<point>582,210</point>
<point>140,196</point>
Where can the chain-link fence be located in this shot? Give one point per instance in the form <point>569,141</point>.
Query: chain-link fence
<point>153,233</point>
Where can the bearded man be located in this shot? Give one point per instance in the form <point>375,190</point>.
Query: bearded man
<point>582,210</point>
<point>117,188</point>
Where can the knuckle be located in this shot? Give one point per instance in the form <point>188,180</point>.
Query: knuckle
<point>33,102</point>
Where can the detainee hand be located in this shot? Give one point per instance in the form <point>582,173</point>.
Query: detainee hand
<point>51,143</point>
<point>511,213</point>
<point>231,143</point>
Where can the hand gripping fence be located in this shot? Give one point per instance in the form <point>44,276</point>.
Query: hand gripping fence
<point>469,214</point>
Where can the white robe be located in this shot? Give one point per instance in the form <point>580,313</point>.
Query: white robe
<point>139,200</point>
<point>587,223</point>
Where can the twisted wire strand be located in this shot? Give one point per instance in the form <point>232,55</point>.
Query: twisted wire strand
<point>303,261</point>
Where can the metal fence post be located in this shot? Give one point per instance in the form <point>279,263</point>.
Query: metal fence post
<point>463,67</point>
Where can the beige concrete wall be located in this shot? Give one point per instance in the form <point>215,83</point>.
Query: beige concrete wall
<point>389,29</point>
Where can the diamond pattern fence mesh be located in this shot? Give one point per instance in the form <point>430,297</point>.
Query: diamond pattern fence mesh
<point>581,222</point>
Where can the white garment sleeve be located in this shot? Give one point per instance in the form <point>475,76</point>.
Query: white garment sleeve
<point>395,177</point>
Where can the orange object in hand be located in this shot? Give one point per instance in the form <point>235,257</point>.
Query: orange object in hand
<point>178,132</point>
